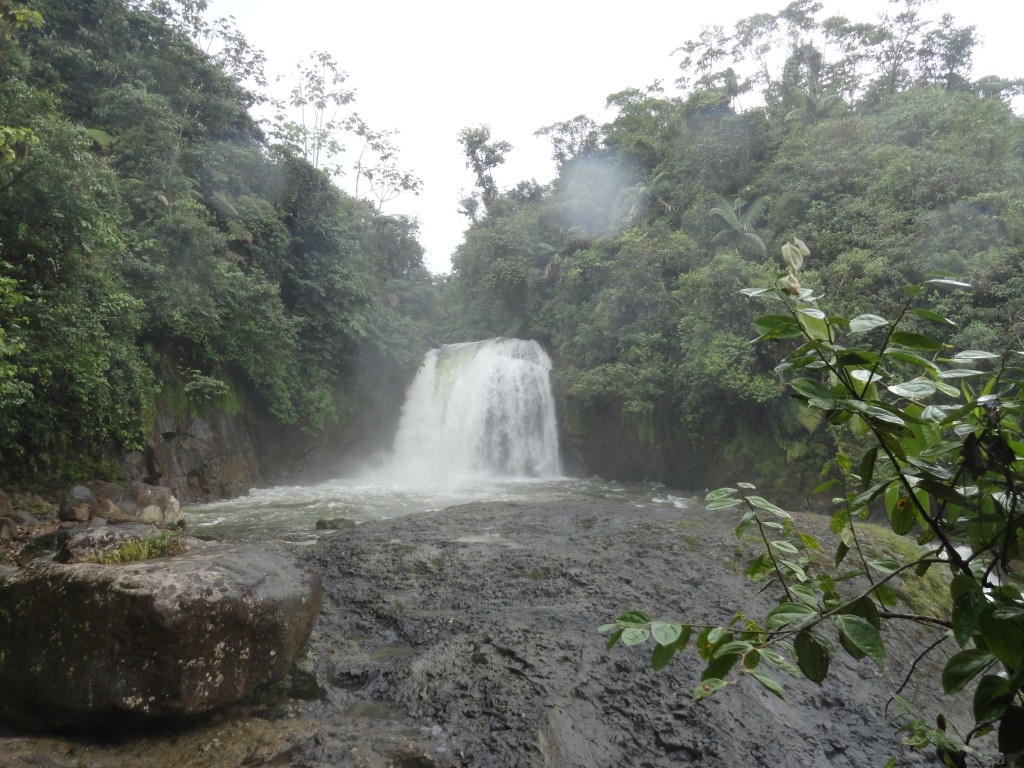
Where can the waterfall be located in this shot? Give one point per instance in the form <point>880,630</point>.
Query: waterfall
<point>479,409</point>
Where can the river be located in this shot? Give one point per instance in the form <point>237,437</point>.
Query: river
<point>293,511</point>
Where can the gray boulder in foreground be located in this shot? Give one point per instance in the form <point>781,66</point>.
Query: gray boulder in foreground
<point>101,647</point>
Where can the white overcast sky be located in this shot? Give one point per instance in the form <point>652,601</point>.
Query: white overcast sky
<point>429,69</point>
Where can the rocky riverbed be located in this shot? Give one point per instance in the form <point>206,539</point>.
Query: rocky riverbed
<point>467,637</point>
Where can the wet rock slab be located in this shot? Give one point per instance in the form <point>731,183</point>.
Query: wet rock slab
<point>467,637</point>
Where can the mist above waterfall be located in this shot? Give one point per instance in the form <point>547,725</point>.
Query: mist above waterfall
<point>478,410</point>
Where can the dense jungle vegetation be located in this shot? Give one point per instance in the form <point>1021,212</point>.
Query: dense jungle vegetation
<point>161,250</point>
<point>158,252</point>
<point>869,142</point>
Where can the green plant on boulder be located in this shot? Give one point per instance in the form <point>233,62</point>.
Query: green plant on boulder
<point>167,544</point>
<point>937,445</point>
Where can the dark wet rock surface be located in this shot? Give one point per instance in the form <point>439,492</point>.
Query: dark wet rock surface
<point>468,637</point>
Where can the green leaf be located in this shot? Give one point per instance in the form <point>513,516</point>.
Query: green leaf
<point>911,358</point>
<point>767,681</point>
<point>634,636</point>
<point>733,648</point>
<point>811,389</point>
<point>809,541</point>
<point>913,390</point>
<point>903,516</point>
<point>805,594</point>
<point>633,619</point>
<point>964,667</point>
<point>723,504</point>
<point>607,628</point>
<point>780,661</point>
<point>885,566</point>
<point>789,613</point>
<point>966,608</point>
<point>767,506</point>
<point>916,341</point>
<point>708,687</point>
<point>745,522</point>
<point>945,493</point>
<point>795,568</point>
<point>661,656</point>
<point>991,697</point>
<point>886,596</point>
<point>770,323</point>
<point>813,312</point>
<point>863,323</point>
<point>938,282</point>
<point>613,639</point>
<point>841,552</point>
<point>1011,731</point>
<point>935,317</point>
<point>867,466</point>
<point>812,655</point>
<point>969,355</point>
<point>870,494</point>
<point>959,373</point>
<point>719,493</point>
<point>665,634</point>
<point>862,635</point>
<point>1003,635</point>
<point>815,327</point>
<point>785,546</point>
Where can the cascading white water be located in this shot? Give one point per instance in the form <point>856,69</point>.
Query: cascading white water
<point>480,409</point>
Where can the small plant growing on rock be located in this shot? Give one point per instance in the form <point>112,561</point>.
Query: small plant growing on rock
<point>167,544</point>
<point>934,437</point>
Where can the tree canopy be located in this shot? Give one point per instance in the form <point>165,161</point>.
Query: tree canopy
<point>870,142</point>
<point>159,251</point>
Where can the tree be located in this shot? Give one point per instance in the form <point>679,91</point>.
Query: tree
<point>384,180</point>
<point>571,139</point>
<point>482,156</point>
<point>740,218</point>
<point>935,440</point>
<point>318,95</point>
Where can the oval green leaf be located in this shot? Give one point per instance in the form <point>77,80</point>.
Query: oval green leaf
<point>964,667</point>
<point>812,655</point>
<point>916,341</point>
<point>863,323</point>
<point>862,635</point>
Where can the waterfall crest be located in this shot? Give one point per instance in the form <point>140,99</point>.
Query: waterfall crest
<point>479,409</point>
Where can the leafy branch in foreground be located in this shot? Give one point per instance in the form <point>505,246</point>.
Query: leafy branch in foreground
<point>940,449</point>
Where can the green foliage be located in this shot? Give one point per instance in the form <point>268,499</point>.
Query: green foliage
<point>891,163</point>
<point>167,544</point>
<point>156,253</point>
<point>939,447</point>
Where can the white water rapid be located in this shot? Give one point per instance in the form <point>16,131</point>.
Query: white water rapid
<point>480,409</point>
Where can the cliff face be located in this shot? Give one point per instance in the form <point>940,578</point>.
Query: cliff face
<point>199,458</point>
<point>218,455</point>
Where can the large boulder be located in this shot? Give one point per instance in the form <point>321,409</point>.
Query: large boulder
<point>78,505</point>
<point>153,504</point>
<point>87,646</point>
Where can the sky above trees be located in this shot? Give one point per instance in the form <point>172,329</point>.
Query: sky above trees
<point>432,69</point>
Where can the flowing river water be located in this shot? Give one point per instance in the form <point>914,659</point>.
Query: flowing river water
<point>478,424</point>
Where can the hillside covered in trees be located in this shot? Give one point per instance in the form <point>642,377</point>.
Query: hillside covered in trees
<point>161,251</point>
<point>159,254</point>
<point>869,142</point>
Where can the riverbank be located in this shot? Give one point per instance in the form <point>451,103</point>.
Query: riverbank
<point>468,637</point>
